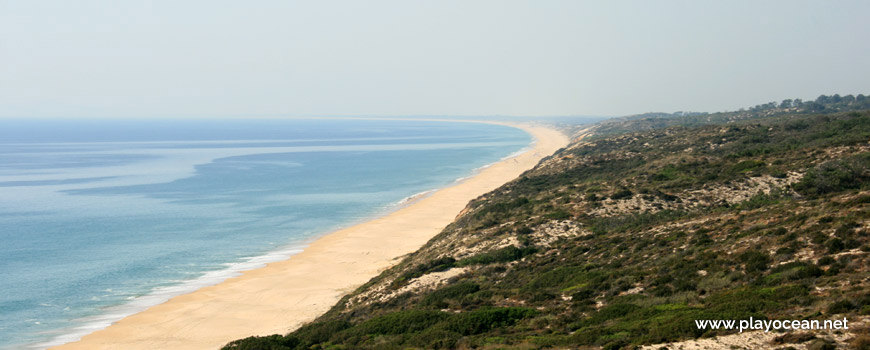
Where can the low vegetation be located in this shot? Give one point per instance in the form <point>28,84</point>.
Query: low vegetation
<point>626,238</point>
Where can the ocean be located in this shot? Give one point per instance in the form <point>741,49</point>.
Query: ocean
<point>100,219</point>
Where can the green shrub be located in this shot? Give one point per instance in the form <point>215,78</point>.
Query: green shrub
<point>558,214</point>
<point>436,298</point>
<point>272,342</point>
<point>622,193</point>
<point>319,332</point>
<point>759,200</point>
<point>826,260</point>
<point>747,165</point>
<point>835,176</point>
<point>755,261</point>
<point>835,245</point>
<point>506,254</point>
<point>791,272</point>
<point>632,221</point>
<point>568,277</point>
<point>841,306</point>
<point>480,321</point>
<point>399,322</point>
<point>433,338</point>
<point>610,312</point>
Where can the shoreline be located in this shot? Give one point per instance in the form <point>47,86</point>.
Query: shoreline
<point>285,294</point>
<point>159,295</point>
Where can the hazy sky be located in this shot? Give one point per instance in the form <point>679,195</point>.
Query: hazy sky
<point>319,58</point>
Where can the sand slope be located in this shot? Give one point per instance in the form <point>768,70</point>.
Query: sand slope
<point>284,295</point>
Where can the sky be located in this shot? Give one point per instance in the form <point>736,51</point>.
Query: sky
<point>219,58</point>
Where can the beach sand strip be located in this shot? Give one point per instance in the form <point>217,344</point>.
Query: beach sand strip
<point>284,295</point>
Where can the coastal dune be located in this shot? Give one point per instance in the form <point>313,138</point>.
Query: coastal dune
<point>284,295</point>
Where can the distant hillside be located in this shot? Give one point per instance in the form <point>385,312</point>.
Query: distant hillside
<point>648,121</point>
<point>626,238</point>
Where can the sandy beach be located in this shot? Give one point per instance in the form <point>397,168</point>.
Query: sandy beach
<point>284,295</point>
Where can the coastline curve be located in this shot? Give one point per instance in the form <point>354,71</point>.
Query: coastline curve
<point>286,294</point>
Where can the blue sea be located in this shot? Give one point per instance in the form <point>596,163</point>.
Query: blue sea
<point>100,219</point>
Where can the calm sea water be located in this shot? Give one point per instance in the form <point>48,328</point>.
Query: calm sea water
<point>101,219</point>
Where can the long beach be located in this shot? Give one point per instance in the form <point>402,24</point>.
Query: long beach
<point>284,295</point>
